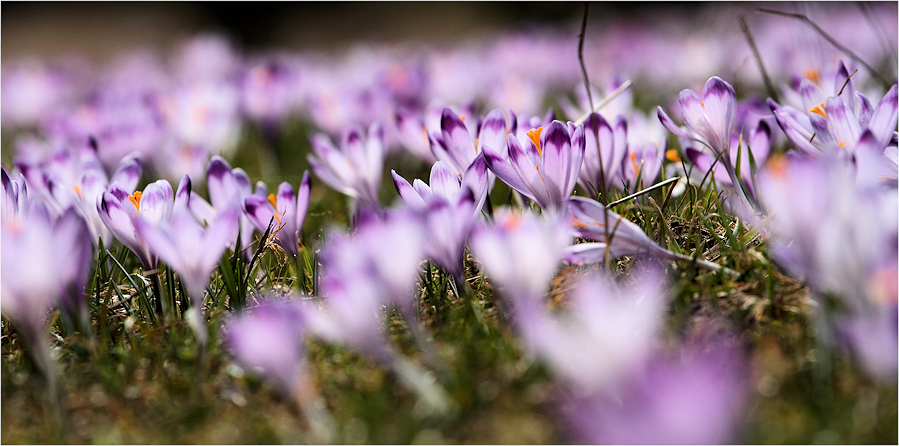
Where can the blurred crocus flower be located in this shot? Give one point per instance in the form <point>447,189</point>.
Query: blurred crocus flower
<point>268,339</point>
<point>118,209</point>
<point>695,397</point>
<point>15,196</point>
<point>843,240</point>
<point>607,330</point>
<point>287,208</point>
<point>190,249</point>
<point>521,253</point>
<point>44,263</point>
<point>355,168</point>
<point>445,185</point>
<point>546,169</point>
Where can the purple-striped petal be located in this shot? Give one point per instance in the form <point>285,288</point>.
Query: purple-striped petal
<point>501,168</point>
<point>443,181</point>
<point>407,192</point>
<point>884,117</point>
<point>493,130</point>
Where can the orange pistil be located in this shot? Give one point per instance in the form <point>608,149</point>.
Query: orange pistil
<point>77,189</point>
<point>462,117</point>
<point>511,222</point>
<point>842,145</point>
<point>634,164</point>
<point>671,155</point>
<point>135,199</point>
<point>777,165</point>
<point>534,134</point>
<point>819,109</point>
<point>578,223</point>
<point>274,201</point>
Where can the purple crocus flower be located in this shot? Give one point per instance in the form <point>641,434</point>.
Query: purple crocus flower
<point>756,142</point>
<point>692,398</point>
<point>227,187</point>
<point>605,149</point>
<point>607,330</point>
<point>43,264</point>
<point>190,249</point>
<point>546,169</point>
<point>520,253</point>
<point>354,169</point>
<point>449,208</point>
<point>454,145</point>
<point>709,119</point>
<point>15,196</point>
<point>843,240</point>
<point>287,208</point>
<point>268,339</point>
<point>118,209</point>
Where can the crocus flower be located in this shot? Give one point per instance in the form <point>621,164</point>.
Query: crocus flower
<point>15,196</point>
<point>449,208</point>
<point>190,249</point>
<point>607,330</point>
<point>44,264</point>
<point>520,253</point>
<point>454,145</point>
<point>605,149</point>
<point>693,398</point>
<point>843,240</point>
<point>354,169</point>
<point>118,209</point>
<point>268,339</point>
<point>709,119</point>
<point>227,187</point>
<point>546,169</point>
<point>288,210</point>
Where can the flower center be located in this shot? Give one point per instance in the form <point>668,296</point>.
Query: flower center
<point>274,201</point>
<point>671,155</point>
<point>135,200</point>
<point>819,109</point>
<point>534,134</point>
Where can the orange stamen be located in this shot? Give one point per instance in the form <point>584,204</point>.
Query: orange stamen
<point>671,155</point>
<point>634,164</point>
<point>819,109</point>
<point>813,75</point>
<point>511,222</point>
<point>77,189</point>
<point>534,134</point>
<point>578,223</point>
<point>135,199</point>
<point>274,201</point>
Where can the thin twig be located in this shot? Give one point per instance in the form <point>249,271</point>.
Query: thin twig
<point>832,41</point>
<point>580,53</point>
<point>772,92</point>
<point>627,84</point>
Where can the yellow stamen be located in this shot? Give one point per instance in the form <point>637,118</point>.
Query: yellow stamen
<point>813,75</point>
<point>135,199</point>
<point>819,109</point>
<point>274,201</point>
<point>534,134</point>
<point>77,189</point>
<point>671,155</point>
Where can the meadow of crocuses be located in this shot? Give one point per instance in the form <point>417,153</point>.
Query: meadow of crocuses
<point>461,243</point>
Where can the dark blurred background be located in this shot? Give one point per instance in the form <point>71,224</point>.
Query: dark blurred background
<point>101,29</point>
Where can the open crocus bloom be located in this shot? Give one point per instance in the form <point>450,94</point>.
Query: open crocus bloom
<point>118,208</point>
<point>546,168</point>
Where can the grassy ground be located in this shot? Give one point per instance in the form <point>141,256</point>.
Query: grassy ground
<point>136,382</point>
